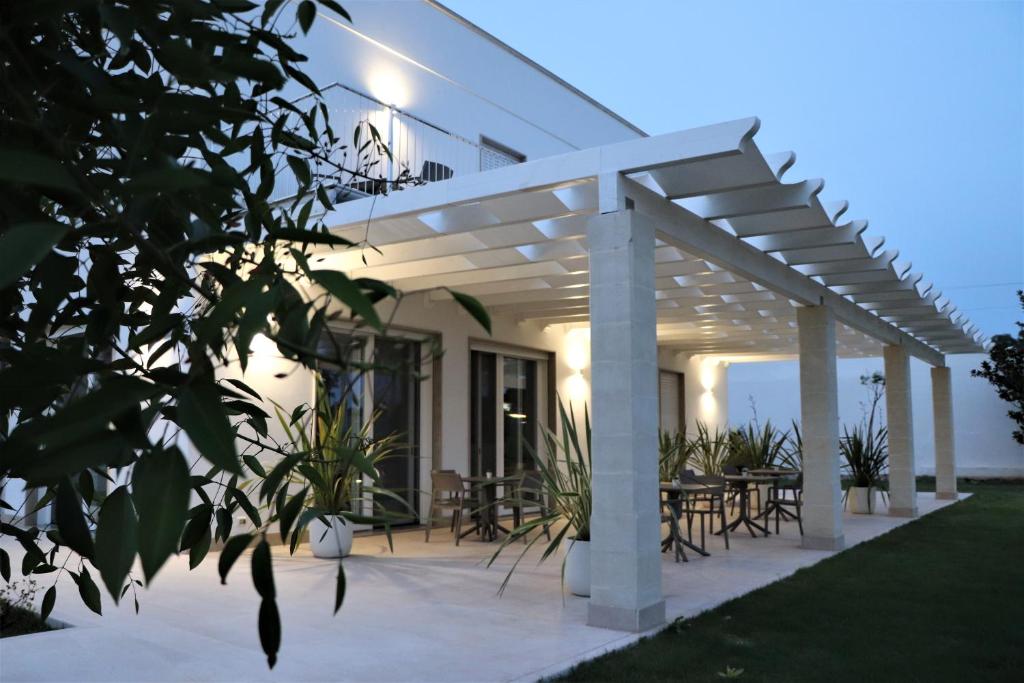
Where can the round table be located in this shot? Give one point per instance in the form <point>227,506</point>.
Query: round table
<point>742,483</point>
<point>487,513</point>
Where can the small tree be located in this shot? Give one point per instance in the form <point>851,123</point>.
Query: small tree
<point>1005,370</point>
<point>143,248</point>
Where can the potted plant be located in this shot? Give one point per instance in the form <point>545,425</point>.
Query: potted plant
<point>709,451</point>
<point>340,462</point>
<point>674,451</point>
<point>565,490</point>
<point>866,455</point>
<point>757,448</point>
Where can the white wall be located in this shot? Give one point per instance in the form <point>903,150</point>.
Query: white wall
<point>414,55</point>
<point>984,446</point>
<point>706,391</point>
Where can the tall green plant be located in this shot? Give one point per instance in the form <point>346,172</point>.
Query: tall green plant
<point>565,490</point>
<point>674,451</point>
<point>866,454</point>
<point>709,450</point>
<point>340,460</point>
<point>756,447</point>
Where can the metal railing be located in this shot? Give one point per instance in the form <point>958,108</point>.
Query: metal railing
<point>421,151</point>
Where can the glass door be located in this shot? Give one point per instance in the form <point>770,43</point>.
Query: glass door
<point>396,407</point>
<point>504,411</point>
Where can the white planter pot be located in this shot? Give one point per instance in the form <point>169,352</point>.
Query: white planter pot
<point>336,542</point>
<point>862,499</point>
<point>577,567</point>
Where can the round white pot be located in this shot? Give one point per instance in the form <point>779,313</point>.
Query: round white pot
<point>862,499</point>
<point>336,542</point>
<point>577,567</point>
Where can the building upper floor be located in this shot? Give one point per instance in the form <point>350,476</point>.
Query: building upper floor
<point>446,97</point>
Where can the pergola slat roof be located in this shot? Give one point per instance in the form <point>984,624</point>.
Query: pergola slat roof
<point>738,249</point>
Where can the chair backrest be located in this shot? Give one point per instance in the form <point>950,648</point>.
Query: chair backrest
<point>433,171</point>
<point>530,487</point>
<point>447,481</point>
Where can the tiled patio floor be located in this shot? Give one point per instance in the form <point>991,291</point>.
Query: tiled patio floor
<point>427,613</point>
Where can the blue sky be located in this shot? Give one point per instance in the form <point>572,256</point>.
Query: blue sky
<point>912,111</point>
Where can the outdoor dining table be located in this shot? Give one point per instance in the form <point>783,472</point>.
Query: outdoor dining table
<point>678,488</point>
<point>487,513</point>
<point>776,473</point>
<point>742,482</point>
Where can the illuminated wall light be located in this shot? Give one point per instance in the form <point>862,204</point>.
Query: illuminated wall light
<point>709,373</point>
<point>576,387</point>
<point>577,348</point>
<point>388,86</point>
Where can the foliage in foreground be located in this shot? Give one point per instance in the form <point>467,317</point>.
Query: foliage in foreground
<point>1004,369</point>
<point>143,249</point>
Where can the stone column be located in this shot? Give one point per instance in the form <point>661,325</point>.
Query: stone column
<point>819,422</point>
<point>902,485</point>
<point>625,543</point>
<point>945,454</point>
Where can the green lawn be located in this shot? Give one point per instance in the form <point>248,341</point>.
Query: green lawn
<point>941,599</point>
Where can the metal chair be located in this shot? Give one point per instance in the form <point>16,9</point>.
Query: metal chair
<point>778,502</point>
<point>448,492</point>
<point>670,516</point>
<point>528,492</point>
<point>708,502</point>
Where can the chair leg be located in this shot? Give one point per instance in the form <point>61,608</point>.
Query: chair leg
<point>799,519</point>
<point>725,526</point>
<point>430,523</point>
<point>458,525</point>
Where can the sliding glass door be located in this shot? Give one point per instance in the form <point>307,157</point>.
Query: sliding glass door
<point>504,412</point>
<point>388,396</point>
<point>396,404</point>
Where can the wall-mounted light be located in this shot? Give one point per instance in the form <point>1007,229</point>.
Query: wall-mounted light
<point>708,373</point>
<point>388,86</point>
<point>577,357</point>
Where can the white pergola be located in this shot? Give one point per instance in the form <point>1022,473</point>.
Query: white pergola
<point>689,241</point>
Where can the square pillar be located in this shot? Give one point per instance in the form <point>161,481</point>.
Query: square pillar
<point>945,455</point>
<point>819,420</point>
<point>625,526</point>
<point>902,484</point>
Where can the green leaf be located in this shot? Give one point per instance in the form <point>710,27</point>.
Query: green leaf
<point>89,591</point>
<point>270,630</point>
<point>197,527</point>
<point>28,168</point>
<point>306,13</point>
<point>24,245</point>
<point>49,599</point>
<point>347,292</point>
<point>290,511</point>
<point>71,521</point>
<point>232,549</point>
<point>339,588</point>
<point>473,307</point>
<point>202,416</point>
<point>5,565</point>
<point>242,386</point>
<point>262,570</point>
<point>161,490</point>
<point>199,549</point>
<point>300,167</point>
<point>338,9</point>
<point>116,539</point>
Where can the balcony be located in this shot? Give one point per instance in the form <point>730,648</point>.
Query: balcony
<point>421,151</point>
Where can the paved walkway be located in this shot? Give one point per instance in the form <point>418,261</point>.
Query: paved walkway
<point>429,612</point>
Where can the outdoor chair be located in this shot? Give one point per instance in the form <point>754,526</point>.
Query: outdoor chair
<point>433,171</point>
<point>449,493</point>
<point>528,493</point>
<point>781,504</point>
<point>670,516</point>
<point>706,504</point>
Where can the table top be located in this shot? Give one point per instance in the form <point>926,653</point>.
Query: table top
<point>482,479</point>
<point>774,472</point>
<point>671,486</point>
<point>749,478</point>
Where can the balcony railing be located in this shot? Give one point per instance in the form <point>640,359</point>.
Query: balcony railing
<point>421,151</point>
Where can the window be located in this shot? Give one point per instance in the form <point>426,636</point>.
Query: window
<point>495,155</point>
<point>670,401</point>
